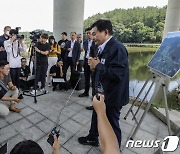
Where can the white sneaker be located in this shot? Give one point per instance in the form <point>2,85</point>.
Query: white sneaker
<point>44,91</point>
<point>33,92</point>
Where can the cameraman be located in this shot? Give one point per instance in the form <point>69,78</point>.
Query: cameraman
<point>42,49</point>
<point>13,47</point>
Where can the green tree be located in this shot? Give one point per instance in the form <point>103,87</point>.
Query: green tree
<point>136,25</point>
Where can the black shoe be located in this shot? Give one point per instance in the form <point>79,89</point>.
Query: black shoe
<point>89,108</point>
<point>20,96</point>
<point>54,88</point>
<point>88,141</point>
<point>83,95</point>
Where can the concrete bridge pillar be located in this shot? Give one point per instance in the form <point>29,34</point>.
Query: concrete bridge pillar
<point>172,22</point>
<point>68,17</point>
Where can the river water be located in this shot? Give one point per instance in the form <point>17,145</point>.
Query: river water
<point>139,73</point>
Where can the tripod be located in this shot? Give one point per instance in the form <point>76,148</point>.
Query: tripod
<point>33,53</point>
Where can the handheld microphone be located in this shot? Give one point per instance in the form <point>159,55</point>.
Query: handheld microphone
<point>99,90</point>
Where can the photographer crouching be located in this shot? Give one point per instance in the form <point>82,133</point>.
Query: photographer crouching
<point>13,47</point>
<point>42,49</point>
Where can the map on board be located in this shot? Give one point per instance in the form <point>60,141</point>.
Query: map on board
<point>166,60</point>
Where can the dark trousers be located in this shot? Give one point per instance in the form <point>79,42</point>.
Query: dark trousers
<point>113,115</point>
<point>41,71</point>
<point>80,65</point>
<point>88,74</point>
<point>26,85</point>
<point>93,83</point>
<point>15,74</point>
<point>66,65</point>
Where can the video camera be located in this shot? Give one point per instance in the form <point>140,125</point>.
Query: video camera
<point>35,35</point>
<point>21,37</point>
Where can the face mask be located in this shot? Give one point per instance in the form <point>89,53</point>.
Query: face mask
<point>7,33</point>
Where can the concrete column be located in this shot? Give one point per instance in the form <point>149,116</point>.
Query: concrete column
<point>172,22</point>
<point>68,17</point>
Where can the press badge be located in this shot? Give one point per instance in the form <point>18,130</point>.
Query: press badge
<point>103,61</point>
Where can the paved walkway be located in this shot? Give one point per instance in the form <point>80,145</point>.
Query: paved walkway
<point>36,120</point>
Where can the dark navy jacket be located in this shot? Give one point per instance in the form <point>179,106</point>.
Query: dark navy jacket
<point>93,50</point>
<point>3,54</point>
<point>75,52</point>
<point>85,45</point>
<point>113,72</point>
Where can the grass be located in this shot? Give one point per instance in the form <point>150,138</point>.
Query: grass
<point>141,49</point>
<point>173,101</point>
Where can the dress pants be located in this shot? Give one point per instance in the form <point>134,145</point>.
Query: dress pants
<point>88,75</point>
<point>80,65</point>
<point>41,71</point>
<point>113,115</point>
<point>68,62</point>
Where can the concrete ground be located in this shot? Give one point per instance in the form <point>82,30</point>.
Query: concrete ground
<point>36,120</point>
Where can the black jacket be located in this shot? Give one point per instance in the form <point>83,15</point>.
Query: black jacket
<point>113,73</point>
<point>85,45</point>
<point>3,54</point>
<point>93,50</point>
<point>75,52</point>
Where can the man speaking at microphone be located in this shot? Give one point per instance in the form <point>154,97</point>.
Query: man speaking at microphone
<point>112,72</point>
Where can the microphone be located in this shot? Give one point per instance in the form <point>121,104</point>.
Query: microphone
<point>55,130</point>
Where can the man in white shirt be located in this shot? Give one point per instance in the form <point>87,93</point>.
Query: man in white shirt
<point>13,48</point>
<point>72,54</point>
<point>81,59</point>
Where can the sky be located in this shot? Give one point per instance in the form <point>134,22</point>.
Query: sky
<point>38,14</point>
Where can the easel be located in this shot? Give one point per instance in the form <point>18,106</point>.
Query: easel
<point>159,79</point>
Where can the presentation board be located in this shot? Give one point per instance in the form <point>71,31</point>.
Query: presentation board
<point>166,60</point>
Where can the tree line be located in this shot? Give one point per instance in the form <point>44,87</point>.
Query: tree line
<point>136,25</point>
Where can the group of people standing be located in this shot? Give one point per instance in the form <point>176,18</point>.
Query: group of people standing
<point>105,63</point>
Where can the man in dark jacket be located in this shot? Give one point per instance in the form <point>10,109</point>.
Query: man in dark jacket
<point>62,44</point>
<point>112,73</point>
<point>4,37</point>
<point>87,44</point>
<point>72,54</point>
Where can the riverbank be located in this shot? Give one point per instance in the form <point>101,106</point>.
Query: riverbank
<point>140,47</point>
